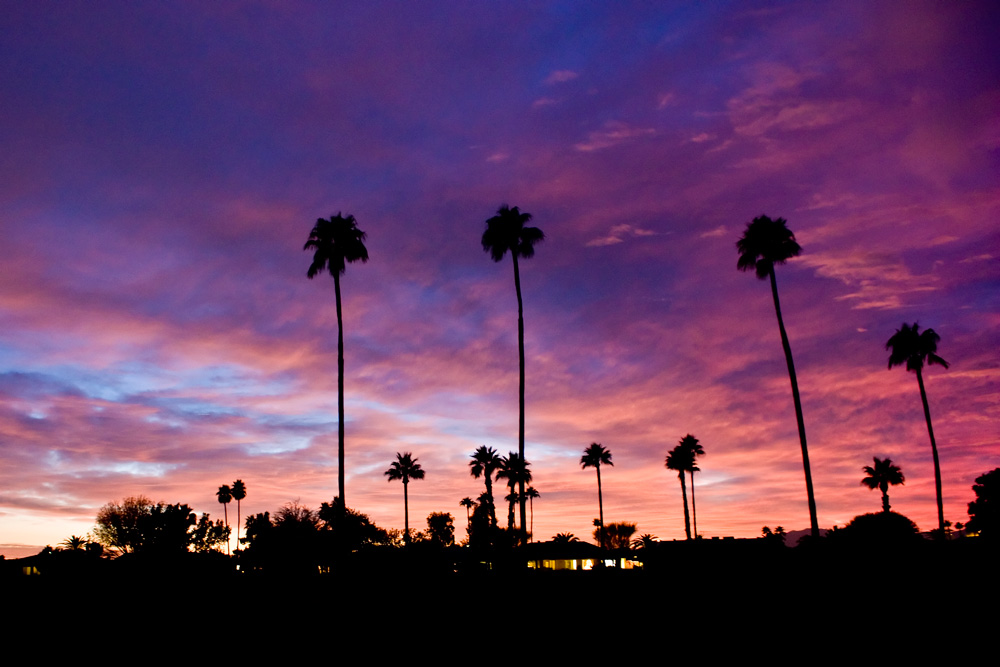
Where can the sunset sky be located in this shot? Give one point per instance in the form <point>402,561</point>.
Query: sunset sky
<point>163,163</point>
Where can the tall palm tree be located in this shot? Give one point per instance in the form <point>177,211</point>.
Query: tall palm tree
<point>335,243</point>
<point>405,468</point>
<point>239,493</point>
<point>880,476</point>
<point>484,463</point>
<point>532,493</point>
<point>909,346</point>
<point>593,457</point>
<point>506,231</point>
<point>517,472</point>
<point>681,459</point>
<point>691,442</point>
<point>767,242</point>
<point>225,496</point>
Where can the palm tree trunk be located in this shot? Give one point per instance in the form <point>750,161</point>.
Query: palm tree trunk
<point>520,392</point>
<point>406,513</point>
<point>600,506</point>
<point>937,463</point>
<point>885,498</point>
<point>531,502</point>
<point>813,522</point>
<point>340,396</point>
<point>225,513</point>
<point>694,510</point>
<point>687,517</point>
<point>237,525</point>
<point>489,494</point>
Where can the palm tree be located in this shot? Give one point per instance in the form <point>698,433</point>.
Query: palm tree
<point>468,504</point>
<point>225,495</point>
<point>532,494</point>
<point>767,242</point>
<point>336,242</point>
<point>593,457</point>
<point>912,348</point>
<point>517,472</point>
<point>239,493</point>
<point>880,476</point>
<point>565,538</point>
<point>75,543</point>
<point>691,442</point>
<point>484,463</point>
<point>681,459</point>
<point>405,468</point>
<point>506,231</point>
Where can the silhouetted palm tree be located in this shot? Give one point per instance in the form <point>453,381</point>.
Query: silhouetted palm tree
<point>880,476</point>
<point>336,242</point>
<point>506,231</point>
<point>697,450</point>
<point>239,493</point>
<point>517,472</point>
<point>405,468</point>
<point>225,496</point>
<point>75,543</point>
<point>532,494</point>
<point>767,242</point>
<point>485,462</point>
<point>565,538</point>
<point>909,346</point>
<point>468,504</point>
<point>644,541</point>
<point>593,457</point>
<point>681,459</point>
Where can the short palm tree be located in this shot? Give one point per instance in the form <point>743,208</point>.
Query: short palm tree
<point>593,457</point>
<point>405,468</point>
<point>880,476</point>
<point>225,496</point>
<point>691,442</point>
<point>239,493</point>
<point>909,346</point>
<point>484,463</point>
<point>468,504</point>
<point>517,472</point>
<point>681,459</point>
<point>764,243</point>
<point>506,231</point>
<point>335,243</point>
<point>532,493</point>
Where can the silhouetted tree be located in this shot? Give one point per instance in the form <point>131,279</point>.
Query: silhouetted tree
<point>593,457</point>
<point>681,459</point>
<point>532,493</point>
<point>517,472</point>
<point>239,491</point>
<point>119,524</point>
<point>352,530</point>
<point>912,348</point>
<point>767,242</point>
<point>880,476</point>
<point>441,529</point>
<point>208,535</point>
<point>616,535</point>
<point>691,442</point>
<point>644,541</point>
<point>984,515</point>
<point>880,528</point>
<point>468,504</point>
<point>405,468</point>
<point>74,543</point>
<point>485,462</point>
<point>565,538</point>
<point>225,496</point>
<point>506,231</point>
<point>337,242</point>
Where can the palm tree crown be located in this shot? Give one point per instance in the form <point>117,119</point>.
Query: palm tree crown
<point>516,471</point>
<point>593,457</point>
<point>764,243</point>
<point>335,242</point>
<point>405,468</point>
<point>506,232</point>
<point>913,348</point>
<point>691,443</point>
<point>239,490</point>
<point>880,476</point>
<point>225,496</point>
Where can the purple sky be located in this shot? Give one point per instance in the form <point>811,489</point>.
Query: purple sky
<point>163,163</point>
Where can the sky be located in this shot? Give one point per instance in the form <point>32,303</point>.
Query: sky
<point>163,164</point>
